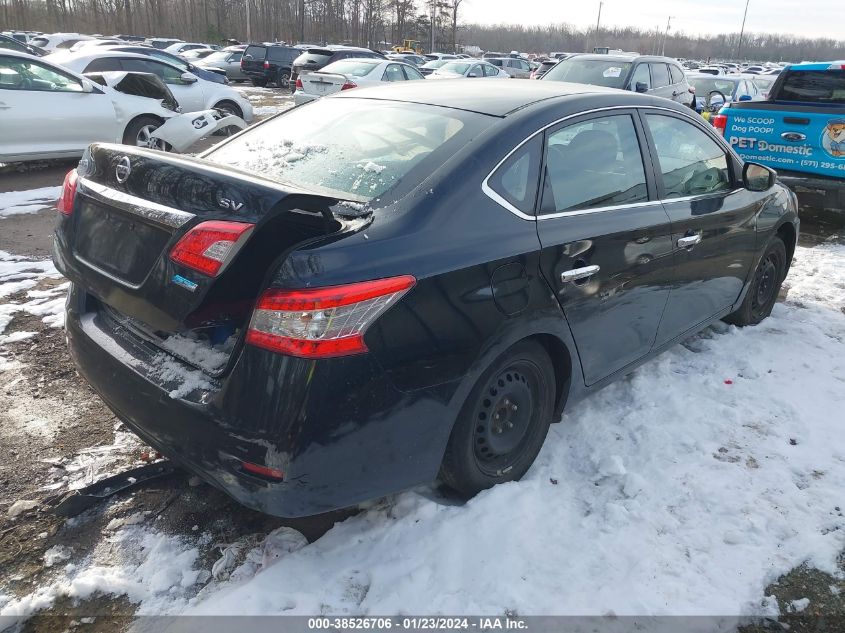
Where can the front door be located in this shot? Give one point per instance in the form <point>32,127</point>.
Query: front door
<point>606,244</point>
<point>713,221</point>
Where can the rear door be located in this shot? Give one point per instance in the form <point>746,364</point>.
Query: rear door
<point>713,220</point>
<point>606,243</point>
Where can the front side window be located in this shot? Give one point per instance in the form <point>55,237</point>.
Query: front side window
<point>517,178</point>
<point>596,163</point>
<point>641,77</point>
<point>659,75</point>
<point>20,73</point>
<point>691,163</point>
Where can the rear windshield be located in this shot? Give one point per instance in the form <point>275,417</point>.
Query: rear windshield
<point>813,86</point>
<point>354,149</point>
<point>218,56</point>
<point>456,67</point>
<point>354,68</point>
<point>597,72</point>
<point>314,55</point>
<point>257,52</point>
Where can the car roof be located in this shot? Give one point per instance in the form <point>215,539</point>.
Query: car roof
<point>486,96</point>
<point>616,57</point>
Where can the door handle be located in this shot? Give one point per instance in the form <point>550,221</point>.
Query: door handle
<point>577,274</point>
<point>689,241</point>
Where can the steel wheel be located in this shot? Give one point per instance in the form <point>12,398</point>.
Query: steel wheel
<point>764,287</point>
<point>503,422</point>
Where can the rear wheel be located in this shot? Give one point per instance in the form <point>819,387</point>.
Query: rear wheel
<point>139,132</point>
<point>503,422</point>
<point>283,79</point>
<point>765,286</point>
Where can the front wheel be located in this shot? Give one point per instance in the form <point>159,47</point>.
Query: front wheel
<point>139,132</point>
<point>503,422</point>
<point>765,286</point>
<point>227,107</point>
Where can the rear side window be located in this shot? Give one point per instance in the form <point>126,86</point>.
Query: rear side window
<point>691,163</point>
<point>517,179</point>
<point>490,71</point>
<point>659,75</point>
<point>596,163</point>
<point>67,44</point>
<point>256,52</point>
<point>677,74</point>
<point>813,86</point>
<point>281,54</point>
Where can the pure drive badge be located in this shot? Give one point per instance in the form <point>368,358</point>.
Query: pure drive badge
<point>179,280</point>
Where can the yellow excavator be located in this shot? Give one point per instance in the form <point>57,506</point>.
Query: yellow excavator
<point>409,46</point>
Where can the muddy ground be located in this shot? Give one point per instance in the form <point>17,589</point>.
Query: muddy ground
<point>55,432</point>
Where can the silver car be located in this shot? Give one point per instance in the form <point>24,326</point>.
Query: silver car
<point>514,66</point>
<point>228,60</point>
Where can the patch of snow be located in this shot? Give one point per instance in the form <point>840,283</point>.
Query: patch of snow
<point>31,201</point>
<point>18,274</point>
<point>57,554</point>
<point>648,517</point>
<point>797,606</point>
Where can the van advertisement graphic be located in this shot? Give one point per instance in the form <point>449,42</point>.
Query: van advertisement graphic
<point>764,139</point>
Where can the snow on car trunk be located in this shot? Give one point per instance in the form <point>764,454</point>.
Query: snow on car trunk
<point>683,489</point>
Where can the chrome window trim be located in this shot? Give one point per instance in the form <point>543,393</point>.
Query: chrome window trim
<point>151,211</point>
<point>495,197</point>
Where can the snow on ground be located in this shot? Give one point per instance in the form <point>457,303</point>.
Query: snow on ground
<point>32,201</point>
<point>685,488</point>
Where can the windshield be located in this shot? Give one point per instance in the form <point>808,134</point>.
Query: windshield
<point>218,56</point>
<point>705,85</point>
<point>455,67</point>
<point>597,72</point>
<point>351,148</point>
<point>354,68</point>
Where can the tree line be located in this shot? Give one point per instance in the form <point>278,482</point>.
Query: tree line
<point>379,23</point>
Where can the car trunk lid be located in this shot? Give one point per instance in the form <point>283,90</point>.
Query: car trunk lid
<point>322,84</point>
<point>133,206</point>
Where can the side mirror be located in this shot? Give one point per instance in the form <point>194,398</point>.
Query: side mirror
<point>88,86</point>
<point>188,78</point>
<point>745,98</point>
<point>756,177</point>
<point>641,86</point>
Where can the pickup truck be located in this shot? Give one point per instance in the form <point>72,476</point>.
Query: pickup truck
<point>799,131</point>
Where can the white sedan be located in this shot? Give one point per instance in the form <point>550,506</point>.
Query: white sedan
<point>193,93</point>
<point>351,73</point>
<point>50,112</point>
<point>464,68</point>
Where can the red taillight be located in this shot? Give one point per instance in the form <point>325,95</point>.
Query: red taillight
<point>264,471</point>
<point>64,204</point>
<point>266,65</point>
<point>322,322</point>
<point>349,85</point>
<point>299,85</point>
<point>720,122</point>
<point>209,246</point>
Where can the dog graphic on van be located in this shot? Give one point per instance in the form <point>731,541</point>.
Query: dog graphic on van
<point>833,139</point>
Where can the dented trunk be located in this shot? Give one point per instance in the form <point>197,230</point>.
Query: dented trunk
<point>142,227</point>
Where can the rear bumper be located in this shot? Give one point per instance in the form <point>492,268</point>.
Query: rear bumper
<point>337,429</point>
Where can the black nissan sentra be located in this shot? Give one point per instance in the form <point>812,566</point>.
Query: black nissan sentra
<point>406,283</point>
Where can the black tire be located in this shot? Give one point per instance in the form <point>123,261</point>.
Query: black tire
<point>765,286</point>
<point>229,108</point>
<point>259,83</point>
<point>503,422</point>
<point>283,79</point>
<point>139,130</point>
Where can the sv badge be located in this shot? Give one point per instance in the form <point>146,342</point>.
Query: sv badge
<point>227,203</point>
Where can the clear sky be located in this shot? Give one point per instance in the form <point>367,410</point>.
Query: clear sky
<point>809,18</point>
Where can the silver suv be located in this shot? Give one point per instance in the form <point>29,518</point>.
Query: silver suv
<point>650,74</point>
